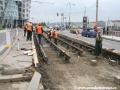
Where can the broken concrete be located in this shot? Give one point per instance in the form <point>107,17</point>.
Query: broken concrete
<point>93,62</point>
<point>13,70</point>
<point>117,80</point>
<point>15,78</point>
<point>112,62</point>
<point>34,84</point>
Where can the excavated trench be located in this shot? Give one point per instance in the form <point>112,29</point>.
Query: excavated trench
<point>58,75</point>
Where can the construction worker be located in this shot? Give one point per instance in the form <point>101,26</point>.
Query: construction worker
<point>25,29</point>
<point>50,34</point>
<point>39,30</point>
<point>55,36</point>
<point>98,45</point>
<point>29,31</point>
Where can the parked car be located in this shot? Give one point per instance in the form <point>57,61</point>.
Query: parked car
<point>89,33</point>
<point>61,28</point>
<point>74,31</point>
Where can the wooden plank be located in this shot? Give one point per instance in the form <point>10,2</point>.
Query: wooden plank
<point>35,56</point>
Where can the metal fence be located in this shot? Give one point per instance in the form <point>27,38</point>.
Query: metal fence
<point>111,32</point>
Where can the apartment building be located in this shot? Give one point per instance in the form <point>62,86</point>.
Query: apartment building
<point>23,11</point>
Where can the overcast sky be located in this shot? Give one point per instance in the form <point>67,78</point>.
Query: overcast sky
<point>47,12</point>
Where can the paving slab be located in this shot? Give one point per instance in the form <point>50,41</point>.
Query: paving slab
<point>15,78</point>
<point>34,84</point>
<point>12,61</point>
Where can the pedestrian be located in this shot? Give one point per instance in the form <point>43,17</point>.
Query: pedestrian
<point>98,45</point>
<point>39,30</point>
<point>25,29</point>
<point>29,31</point>
<point>55,36</point>
<point>50,34</point>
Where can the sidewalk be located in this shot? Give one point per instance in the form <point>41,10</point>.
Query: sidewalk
<point>14,62</point>
<point>113,38</point>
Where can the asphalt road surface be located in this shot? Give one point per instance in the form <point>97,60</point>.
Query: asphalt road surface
<point>106,43</point>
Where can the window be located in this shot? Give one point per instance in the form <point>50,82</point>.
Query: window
<point>26,10</point>
<point>19,9</point>
<point>27,15</point>
<point>1,8</point>
<point>5,3</point>
<point>23,10</point>
<point>24,1</point>
<point>1,2</point>
<point>23,15</point>
<point>23,5</point>
<point>27,5</point>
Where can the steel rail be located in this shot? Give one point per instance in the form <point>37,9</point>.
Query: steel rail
<point>61,53</point>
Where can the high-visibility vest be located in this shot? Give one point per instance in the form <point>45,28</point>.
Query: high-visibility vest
<point>29,27</point>
<point>55,35</point>
<point>50,33</point>
<point>39,29</point>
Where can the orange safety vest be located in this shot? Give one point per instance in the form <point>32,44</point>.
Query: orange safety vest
<point>50,33</point>
<point>55,35</point>
<point>29,27</point>
<point>39,29</point>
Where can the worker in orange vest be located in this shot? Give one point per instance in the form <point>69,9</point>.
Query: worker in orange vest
<point>29,31</point>
<point>25,29</point>
<point>55,36</point>
<point>50,34</point>
<point>39,30</point>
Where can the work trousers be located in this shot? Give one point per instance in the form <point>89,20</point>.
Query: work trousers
<point>24,32</point>
<point>39,38</point>
<point>29,35</point>
<point>55,41</point>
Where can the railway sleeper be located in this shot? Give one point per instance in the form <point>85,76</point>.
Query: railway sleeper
<point>62,53</point>
<point>73,48</point>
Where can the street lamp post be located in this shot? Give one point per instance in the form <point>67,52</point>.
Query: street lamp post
<point>96,12</point>
<point>66,20</point>
<point>70,13</point>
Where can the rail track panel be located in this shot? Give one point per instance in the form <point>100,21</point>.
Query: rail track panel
<point>91,48</point>
<point>40,50</point>
<point>73,48</point>
<point>60,52</point>
<point>77,43</point>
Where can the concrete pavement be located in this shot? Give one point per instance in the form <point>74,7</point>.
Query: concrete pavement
<point>14,62</point>
<point>113,38</point>
<point>15,65</point>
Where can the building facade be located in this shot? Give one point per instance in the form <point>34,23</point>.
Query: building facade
<point>23,11</point>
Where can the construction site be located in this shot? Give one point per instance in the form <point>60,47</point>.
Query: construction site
<point>70,65</point>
